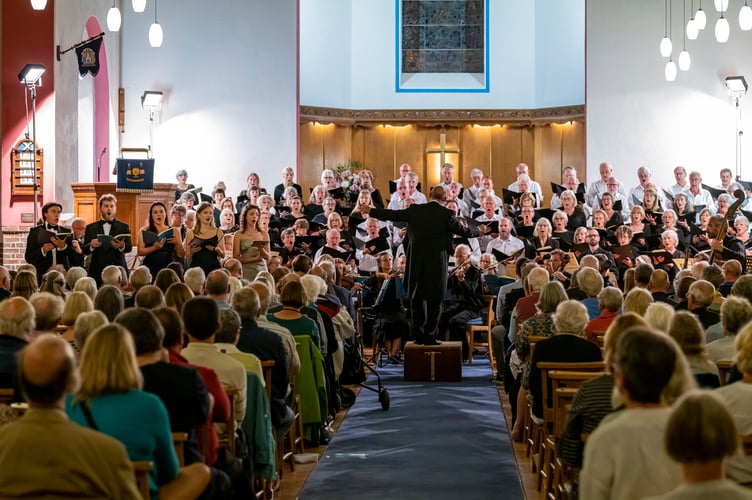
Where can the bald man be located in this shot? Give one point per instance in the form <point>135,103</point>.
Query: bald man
<point>17,320</point>
<point>74,461</point>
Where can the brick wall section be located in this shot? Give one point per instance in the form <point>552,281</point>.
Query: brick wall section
<point>13,246</point>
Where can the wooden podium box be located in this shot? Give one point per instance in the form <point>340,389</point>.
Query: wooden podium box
<point>132,208</point>
<point>434,363</point>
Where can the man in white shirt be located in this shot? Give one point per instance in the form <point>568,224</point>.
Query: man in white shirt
<point>613,187</point>
<point>696,195</point>
<point>505,243</point>
<point>447,176</point>
<point>452,194</point>
<point>488,185</point>
<point>597,188</point>
<point>470,196</point>
<point>401,197</point>
<point>489,214</point>
<point>681,186</point>
<point>367,261</point>
<point>533,187</point>
<point>726,176</point>
<point>201,319</point>
<point>636,193</point>
<point>333,239</point>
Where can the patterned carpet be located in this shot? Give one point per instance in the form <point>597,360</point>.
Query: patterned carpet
<point>438,440</point>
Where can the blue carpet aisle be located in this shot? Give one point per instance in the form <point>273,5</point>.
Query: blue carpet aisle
<point>438,440</point>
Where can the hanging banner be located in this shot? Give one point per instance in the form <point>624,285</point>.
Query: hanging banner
<point>88,57</point>
<point>135,176</point>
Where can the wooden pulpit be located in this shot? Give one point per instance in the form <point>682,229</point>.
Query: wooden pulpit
<point>132,208</point>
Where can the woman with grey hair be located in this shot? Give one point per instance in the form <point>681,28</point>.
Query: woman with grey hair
<point>541,240</point>
<point>568,345</point>
<point>183,186</point>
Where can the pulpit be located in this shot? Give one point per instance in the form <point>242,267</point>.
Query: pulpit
<point>132,208</point>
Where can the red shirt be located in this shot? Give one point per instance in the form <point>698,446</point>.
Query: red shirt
<point>221,412</point>
<point>599,324</point>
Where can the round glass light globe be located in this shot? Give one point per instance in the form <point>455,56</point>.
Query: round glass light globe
<point>722,30</point>
<point>113,19</point>
<point>670,71</point>
<point>156,36</point>
<point>700,19</point>
<point>685,61</point>
<point>666,46</point>
<point>745,18</point>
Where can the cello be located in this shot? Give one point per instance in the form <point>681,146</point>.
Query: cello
<point>740,197</point>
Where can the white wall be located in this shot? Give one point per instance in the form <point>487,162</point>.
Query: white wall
<point>635,117</point>
<point>517,52</point>
<point>217,127</point>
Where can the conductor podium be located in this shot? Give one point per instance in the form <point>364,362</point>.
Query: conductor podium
<point>132,208</point>
<point>433,363</point>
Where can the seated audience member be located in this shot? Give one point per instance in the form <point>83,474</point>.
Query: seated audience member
<point>266,346</point>
<point>5,282</point>
<point>180,388</point>
<point>165,277</point>
<point>591,282</point>
<point>195,279</point>
<point>217,288</point>
<point>177,295</point>
<point>16,323</point>
<point>593,400</point>
<point>682,288</point>
<point>86,463</point>
<point>173,342</point>
<point>735,313</point>
<point>227,339</point>
<point>689,334</point>
<point>732,271</point>
<point>567,345</point>
<point>659,316</point>
<point>715,438</point>
<point>391,324</point>
<point>109,300</point>
<point>293,298</point>
<point>201,321</point>
<point>699,297</point>
<point>85,325</point>
<point>111,276</point>
<point>77,304</point>
<point>53,282</point>
<point>24,284</point>
<point>111,400</point>
<point>637,301</point>
<point>541,324</point>
<point>88,286</point>
<point>738,399</point>
<point>621,458</point>
<point>659,285</point>
<point>265,296</point>
<point>48,309</point>
<point>609,302</point>
<point>149,297</point>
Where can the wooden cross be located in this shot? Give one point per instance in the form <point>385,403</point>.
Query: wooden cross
<point>442,149</point>
<point>433,355</point>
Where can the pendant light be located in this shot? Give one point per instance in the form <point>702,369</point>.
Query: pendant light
<point>155,30</point>
<point>685,61</point>
<point>138,5</point>
<point>670,71</point>
<point>700,18</point>
<point>113,18</point>
<point>38,4</point>
<point>666,46</point>
<point>745,17</point>
<point>691,30</point>
<point>722,29</point>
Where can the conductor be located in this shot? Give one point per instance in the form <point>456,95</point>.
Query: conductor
<point>430,227</point>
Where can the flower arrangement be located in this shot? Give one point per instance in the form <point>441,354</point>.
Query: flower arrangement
<point>347,175</point>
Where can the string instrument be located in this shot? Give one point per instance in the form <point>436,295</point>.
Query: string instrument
<point>740,198</point>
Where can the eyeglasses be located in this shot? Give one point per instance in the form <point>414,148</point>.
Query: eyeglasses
<point>612,185</point>
<point>593,235</point>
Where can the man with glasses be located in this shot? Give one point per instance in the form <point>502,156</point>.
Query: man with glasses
<point>593,240</point>
<point>681,186</point>
<point>637,193</point>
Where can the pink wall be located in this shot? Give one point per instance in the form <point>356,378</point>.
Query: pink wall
<point>101,106</point>
<point>27,37</point>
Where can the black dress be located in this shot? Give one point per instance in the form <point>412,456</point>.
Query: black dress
<point>204,258</point>
<point>159,259</point>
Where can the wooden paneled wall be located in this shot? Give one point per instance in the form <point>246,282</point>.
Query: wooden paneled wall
<point>495,149</point>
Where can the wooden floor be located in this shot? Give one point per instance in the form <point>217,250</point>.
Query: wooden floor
<point>292,482</point>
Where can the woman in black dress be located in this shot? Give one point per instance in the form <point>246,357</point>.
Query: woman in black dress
<point>157,255</point>
<point>203,246</point>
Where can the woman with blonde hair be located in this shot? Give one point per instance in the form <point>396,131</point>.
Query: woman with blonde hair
<point>251,244</point>
<point>24,284</point>
<point>637,301</point>
<point>77,304</point>
<point>111,400</point>
<point>85,325</point>
<point>88,286</point>
<point>178,294</point>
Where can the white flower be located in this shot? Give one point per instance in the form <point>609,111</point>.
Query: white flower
<point>345,184</point>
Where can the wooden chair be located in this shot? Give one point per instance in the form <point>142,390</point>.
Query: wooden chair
<point>227,438</point>
<point>480,326</point>
<point>724,367</point>
<point>141,471</point>
<point>600,339</point>
<point>178,441</point>
<point>546,429</point>
<point>267,367</point>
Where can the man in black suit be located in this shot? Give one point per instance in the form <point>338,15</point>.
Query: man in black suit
<point>430,228</point>
<point>103,254</point>
<point>76,256</point>
<point>44,251</point>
